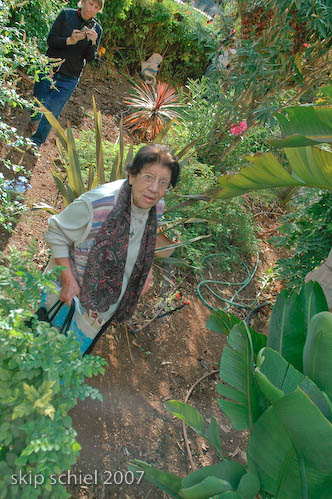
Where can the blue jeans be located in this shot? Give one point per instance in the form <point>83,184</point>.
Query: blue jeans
<point>54,99</point>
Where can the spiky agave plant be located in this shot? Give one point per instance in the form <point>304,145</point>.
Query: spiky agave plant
<point>155,107</point>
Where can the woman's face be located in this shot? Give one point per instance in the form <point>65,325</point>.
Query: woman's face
<point>89,9</point>
<point>149,185</point>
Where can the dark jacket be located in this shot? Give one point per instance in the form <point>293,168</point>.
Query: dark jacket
<point>76,56</point>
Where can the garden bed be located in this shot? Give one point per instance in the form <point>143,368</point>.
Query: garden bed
<point>160,362</point>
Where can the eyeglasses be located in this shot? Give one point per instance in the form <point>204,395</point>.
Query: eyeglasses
<point>150,180</point>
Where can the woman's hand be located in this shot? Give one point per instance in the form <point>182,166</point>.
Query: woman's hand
<point>147,283</point>
<point>68,291</point>
<point>70,288</point>
<point>76,36</point>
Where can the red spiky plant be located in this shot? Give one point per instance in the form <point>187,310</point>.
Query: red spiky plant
<point>155,106</point>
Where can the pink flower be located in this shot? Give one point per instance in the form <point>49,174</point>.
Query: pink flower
<point>233,31</point>
<point>235,129</point>
<point>238,129</point>
<point>306,45</point>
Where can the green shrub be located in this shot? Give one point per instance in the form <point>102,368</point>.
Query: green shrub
<point>203,111</point>
<point>11,204</point>
<point>41,378</point>
<point>228,222</point>
<point>38,17</point>
<point>149,27</point>
<point>86,147</point>
<point>307,233</point>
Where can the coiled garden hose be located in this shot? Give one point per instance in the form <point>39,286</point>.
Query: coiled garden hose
<point>242,284</point>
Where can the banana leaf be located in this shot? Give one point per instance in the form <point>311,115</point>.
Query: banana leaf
<point>227,478</point>
<point>317,352</point>
<point>249,486</point>
<point>168,482</point>
<point>207,488</point>
<point>304,126</point>
<point>223,322</point>
<point>195,420</point>
<point>290,449</point>
<point>245,401</point>
<point>287,328</point>
<point>230,471</point>
<point>310,166</point>
<point>313,301</point>
<point>276,378</point>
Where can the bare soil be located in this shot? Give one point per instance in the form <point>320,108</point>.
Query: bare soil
<point>161,361</point>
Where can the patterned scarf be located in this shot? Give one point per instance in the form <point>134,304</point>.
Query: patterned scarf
<point>103,276</point>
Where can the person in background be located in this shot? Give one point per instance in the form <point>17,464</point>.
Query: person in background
<point>106,240</point>
<point>74,39</point>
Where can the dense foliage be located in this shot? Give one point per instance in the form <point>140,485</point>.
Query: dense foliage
<point>307,234</point>
<point>228,224</point>
<point>42,375</point>
<point>266,382</point>
<point>179,33</point>
<point>268,69</point>
<point>18,53</point>
<point>37,16</point>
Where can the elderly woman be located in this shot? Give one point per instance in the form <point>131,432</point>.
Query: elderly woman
<point>74,39</point>
<point>106,239</point>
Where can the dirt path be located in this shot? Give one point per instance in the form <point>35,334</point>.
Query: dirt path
<point>160,363</point>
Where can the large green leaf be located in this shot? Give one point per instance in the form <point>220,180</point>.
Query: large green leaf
<point>287,328</point>
<point>168,482</point>
<point>223,322</point>
<point>313,301</point>
<point>237,370</point>
<point>317,353</point>
<point>312,166</point>
<point>195,420</point>
<point>290,449</point>
<point>276,377</point>
<point>209,487</point>
<point>230,471</point>
<point>309,166</point>
<point>249,486</point>
<point>236,481</point>
<point>304,126</point>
